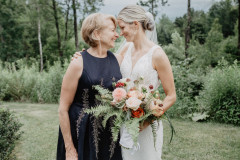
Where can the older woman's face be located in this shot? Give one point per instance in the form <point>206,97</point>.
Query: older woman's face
<point>126,30</point>
<point>109,34</point>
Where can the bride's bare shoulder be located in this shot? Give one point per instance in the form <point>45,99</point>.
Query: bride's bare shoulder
<point>124,49</point>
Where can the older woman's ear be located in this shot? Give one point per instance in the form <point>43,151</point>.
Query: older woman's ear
<point>96,35</point>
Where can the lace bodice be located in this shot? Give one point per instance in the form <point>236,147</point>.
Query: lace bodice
<point>143,67</point>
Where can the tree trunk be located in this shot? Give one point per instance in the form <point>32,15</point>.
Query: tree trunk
<point>75,24</point>
<point>39,40</point>
<point>66,22</point>
<point>239,28</point>
<point>57,27</point>
<point>187,32</point>
<point>153,10</point>
<point>1,31</point>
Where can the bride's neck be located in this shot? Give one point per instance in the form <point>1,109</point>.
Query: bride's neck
<point>140,41</point>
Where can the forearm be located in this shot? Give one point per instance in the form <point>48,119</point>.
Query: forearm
<point>65,128</point>
<point>168,101</point>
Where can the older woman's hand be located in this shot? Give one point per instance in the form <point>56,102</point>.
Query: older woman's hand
<point>71,154</point>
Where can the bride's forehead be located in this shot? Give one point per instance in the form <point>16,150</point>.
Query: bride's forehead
<point>121,23</point>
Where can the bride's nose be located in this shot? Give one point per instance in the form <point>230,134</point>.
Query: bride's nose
<point>116,35</point>
<point>121,33</point>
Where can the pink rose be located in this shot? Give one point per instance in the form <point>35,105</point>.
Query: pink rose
<point>136,94</point>
<point>133,103</point>
<point>119,94</point>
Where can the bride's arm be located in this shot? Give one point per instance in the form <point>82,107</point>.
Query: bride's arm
<point>163,67</point>
<point>120,55</point>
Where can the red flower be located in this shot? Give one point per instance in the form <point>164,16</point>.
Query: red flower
<point>120,84</point>
<point>138,113</point>
<point>151,87</point>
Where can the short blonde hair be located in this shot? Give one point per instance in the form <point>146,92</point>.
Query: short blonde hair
<point>132,13</point>
<point>94,22</point>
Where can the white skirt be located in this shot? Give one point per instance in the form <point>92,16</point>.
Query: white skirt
<point>147,150</point>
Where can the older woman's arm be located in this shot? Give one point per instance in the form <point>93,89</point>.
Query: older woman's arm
<point>68,90</point>
<point>164,70</point>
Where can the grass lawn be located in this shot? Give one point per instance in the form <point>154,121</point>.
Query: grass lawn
<point>193,141</point>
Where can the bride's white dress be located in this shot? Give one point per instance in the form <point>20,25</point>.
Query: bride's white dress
<point>143,67</point>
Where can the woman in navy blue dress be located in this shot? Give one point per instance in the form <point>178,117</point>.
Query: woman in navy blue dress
<point>80,135</point>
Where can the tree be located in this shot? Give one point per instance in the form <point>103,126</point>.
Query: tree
<point>152,5</point>
<point>55,13</point>
<point>239,28</point>
<point>227,15</point>
<point>67,3</point>
<point>74,7</point>
<point>165,28</point>
<point>11,30</point>
<point>187,33</point>
<point>39,39</point>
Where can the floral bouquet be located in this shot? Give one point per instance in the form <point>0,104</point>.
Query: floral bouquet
<point>131,103</point>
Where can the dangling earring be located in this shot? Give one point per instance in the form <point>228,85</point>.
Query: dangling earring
<point>135,32</point>
<point>100,44</point>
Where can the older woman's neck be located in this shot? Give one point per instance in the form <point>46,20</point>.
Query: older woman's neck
<point>98,51</point>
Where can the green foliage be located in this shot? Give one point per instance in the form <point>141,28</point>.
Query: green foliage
<point>227,14</point>
<point>221,93</point>
<point>22,82</point>
<point>9,134</point>
<point>165,28</point>
<point>188,83</point>
<point>175,50</point>
<point>11,30</point>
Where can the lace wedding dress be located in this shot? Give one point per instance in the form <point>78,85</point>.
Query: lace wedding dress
<point>143,67</point>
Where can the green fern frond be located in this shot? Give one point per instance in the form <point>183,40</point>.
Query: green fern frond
<point>98,110</point>
<point>154,131</point>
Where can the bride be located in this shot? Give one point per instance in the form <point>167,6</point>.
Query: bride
<point>140,56</point>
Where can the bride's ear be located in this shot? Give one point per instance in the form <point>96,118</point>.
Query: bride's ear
<point>136,24</point>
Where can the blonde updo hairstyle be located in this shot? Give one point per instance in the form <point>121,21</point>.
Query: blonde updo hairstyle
<point>94,22</point>
<point>132,13</point>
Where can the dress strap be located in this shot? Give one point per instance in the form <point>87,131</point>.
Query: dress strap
<point>153,48</point>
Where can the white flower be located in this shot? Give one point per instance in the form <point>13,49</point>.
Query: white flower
<point>133,103</point>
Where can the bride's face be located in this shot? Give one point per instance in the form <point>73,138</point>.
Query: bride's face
<point>127,30</point>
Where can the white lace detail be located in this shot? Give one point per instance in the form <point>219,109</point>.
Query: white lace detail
<point>143,67</point>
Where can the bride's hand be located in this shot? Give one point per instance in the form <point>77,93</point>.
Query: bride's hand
<point>71,154</point>
<point>145,125</point>
<point>77,54</point>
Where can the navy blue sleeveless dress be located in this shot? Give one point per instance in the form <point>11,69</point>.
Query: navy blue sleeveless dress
<point>91,141</point>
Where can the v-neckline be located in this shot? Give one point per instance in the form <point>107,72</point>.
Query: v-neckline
<point>133,67</point>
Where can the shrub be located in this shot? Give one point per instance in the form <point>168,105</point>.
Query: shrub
<point>22,82</point>
<point>9,134</point>
<point>188,84</point>
<point>221,93</point>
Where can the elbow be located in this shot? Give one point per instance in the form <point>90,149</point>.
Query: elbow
<point>61,112</point>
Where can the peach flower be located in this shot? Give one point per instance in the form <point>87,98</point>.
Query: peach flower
<point>119,94</point>
<point>135,93</point>
<point>133,103</point>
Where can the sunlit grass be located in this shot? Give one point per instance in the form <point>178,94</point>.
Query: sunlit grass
<point>193,141</point>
